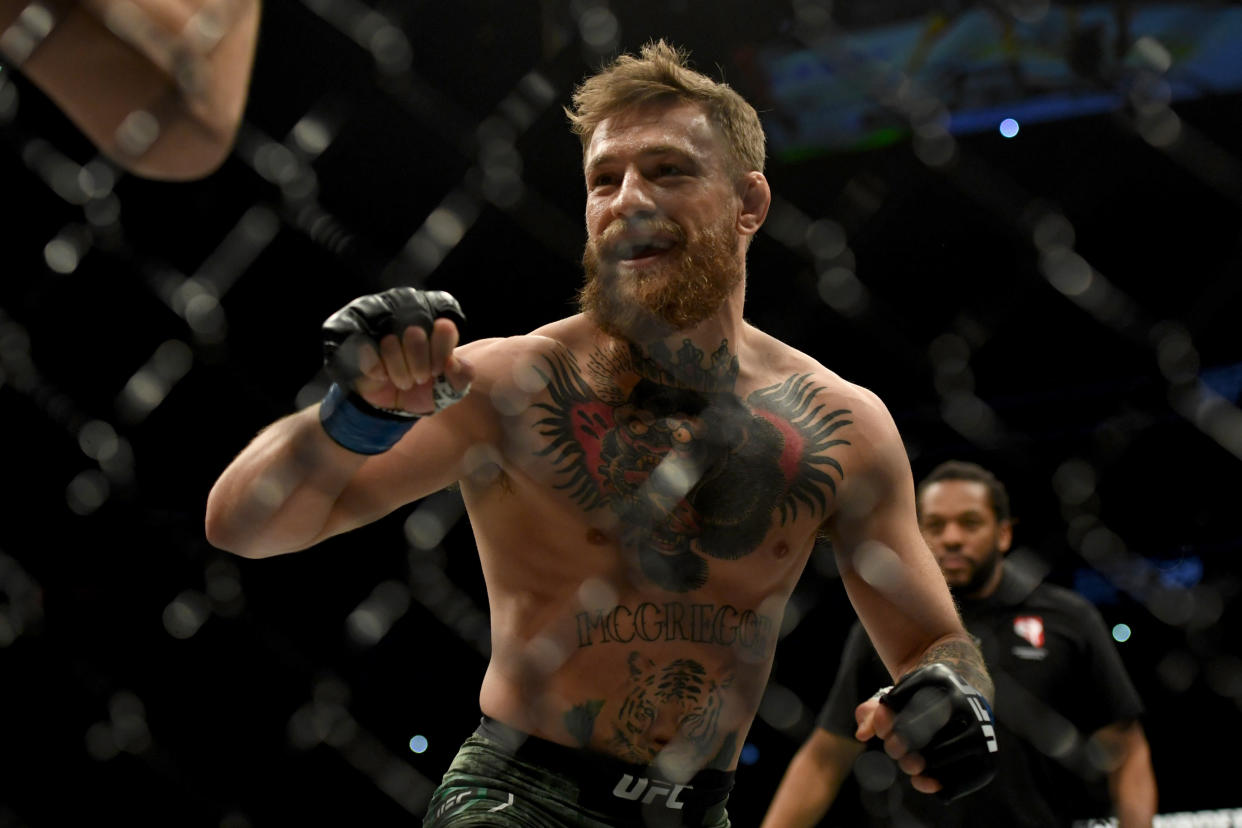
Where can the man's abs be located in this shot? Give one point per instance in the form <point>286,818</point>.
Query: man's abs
<point>682,703</point>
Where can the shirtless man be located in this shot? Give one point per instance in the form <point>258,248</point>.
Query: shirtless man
<point>645,481</point>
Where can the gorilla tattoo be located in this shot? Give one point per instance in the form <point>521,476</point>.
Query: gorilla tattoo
<point>692,470</point>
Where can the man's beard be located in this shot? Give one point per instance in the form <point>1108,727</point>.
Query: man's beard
<point>978,578</point>
<point>684,290</point>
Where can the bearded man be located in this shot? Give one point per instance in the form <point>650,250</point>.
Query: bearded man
<point>645,481</point>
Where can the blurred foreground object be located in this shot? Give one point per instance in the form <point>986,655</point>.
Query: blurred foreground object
<point>158,85</point>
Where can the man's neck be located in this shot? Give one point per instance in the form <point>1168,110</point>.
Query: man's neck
<point>988,589</point>
<point>683,363</point>
<point>704,357</point>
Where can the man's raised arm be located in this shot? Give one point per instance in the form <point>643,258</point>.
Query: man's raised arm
<point>358,454</point>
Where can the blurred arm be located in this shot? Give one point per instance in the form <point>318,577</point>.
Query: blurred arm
<point>1131,780</point>
<point>812,780</point>
<point>159,86</point>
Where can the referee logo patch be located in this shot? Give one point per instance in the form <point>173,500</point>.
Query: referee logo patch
<point>1031,628</point>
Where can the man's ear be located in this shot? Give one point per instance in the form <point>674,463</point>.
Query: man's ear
<point>1004,536</point>
<point>756,198</point>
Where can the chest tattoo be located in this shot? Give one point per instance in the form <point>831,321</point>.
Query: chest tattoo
<point>692,470</point>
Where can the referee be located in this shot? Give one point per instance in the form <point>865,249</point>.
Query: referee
<point>1067,713</point>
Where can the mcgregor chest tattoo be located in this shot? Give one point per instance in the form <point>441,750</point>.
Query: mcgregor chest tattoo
<point>692,470</point>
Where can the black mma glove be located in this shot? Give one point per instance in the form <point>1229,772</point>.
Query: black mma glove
<point>350,420</point>
<point>950,724</point>
<point>368,319</point>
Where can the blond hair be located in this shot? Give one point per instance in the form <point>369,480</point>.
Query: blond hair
<point>661,73</point>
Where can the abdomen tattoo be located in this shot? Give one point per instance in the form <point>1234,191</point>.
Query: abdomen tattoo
<point>672,702</point>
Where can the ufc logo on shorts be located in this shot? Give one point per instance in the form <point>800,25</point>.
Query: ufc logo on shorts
<point>981,714</point>
<point>631,788</point>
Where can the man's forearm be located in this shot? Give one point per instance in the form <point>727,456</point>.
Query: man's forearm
<point>1132,784</point>
<point>962,654</point>
<point>812,780</point>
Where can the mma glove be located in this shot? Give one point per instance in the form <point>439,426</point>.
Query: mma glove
<point>348,418</point>
<point>950,724</point>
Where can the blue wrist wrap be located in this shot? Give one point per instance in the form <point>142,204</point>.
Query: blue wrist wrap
<point>359,426</point>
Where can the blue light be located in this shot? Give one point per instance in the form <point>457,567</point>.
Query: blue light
<point>750,754</point>
<point>1095,587</point>
<point>1009,127</point>
<point>1121,633</point>
<point>1183,573</point>
<point>418,744</point>
<point>1225,380</point>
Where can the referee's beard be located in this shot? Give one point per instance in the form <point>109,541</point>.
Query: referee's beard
<point>979,578</point>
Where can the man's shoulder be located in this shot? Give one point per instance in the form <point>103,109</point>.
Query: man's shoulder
<point>514,367</point>
<point>546,339</point>
<point>1049,596</point>
<point>780,361</point>
<point>566,329</point>
<point>1050,593</point>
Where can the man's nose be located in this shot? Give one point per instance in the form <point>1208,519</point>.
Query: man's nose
<point>633,197</point>
<point>950,536</point>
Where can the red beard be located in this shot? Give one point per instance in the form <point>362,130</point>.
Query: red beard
<point>695,279</point>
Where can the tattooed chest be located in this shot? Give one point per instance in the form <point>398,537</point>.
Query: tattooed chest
<point>691,470</point>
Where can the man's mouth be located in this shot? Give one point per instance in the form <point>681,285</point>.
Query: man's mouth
<point>634,250</point>
<point>639,241</point>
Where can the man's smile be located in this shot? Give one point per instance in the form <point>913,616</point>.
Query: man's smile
<point>639,242</point>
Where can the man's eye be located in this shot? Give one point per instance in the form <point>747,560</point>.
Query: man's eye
<point>602,181</point>
<point>670,169</point>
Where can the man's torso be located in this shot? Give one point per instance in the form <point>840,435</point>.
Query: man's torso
<point>641,527</point>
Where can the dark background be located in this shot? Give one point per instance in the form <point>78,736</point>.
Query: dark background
<point>148,330</point>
